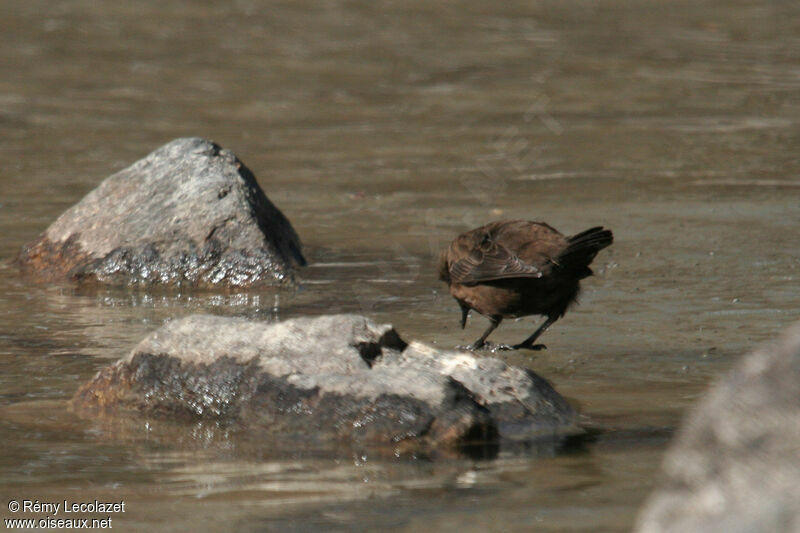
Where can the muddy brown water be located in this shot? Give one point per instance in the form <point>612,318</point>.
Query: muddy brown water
<point>382,129</point>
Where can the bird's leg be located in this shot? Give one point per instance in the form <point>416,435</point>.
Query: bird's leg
<point>528,343</point>
<point>493,323</point>
<point>464,314</point>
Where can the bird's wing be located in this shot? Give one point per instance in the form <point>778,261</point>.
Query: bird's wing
<point>491,261</point>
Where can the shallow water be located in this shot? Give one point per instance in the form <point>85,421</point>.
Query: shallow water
<point>382,129</point>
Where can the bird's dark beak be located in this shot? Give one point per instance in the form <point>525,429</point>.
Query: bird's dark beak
<point>464,314</point>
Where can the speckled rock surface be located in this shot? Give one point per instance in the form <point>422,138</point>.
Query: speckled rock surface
<point>336,377</point>
<point>523,405</point>
<point>735,464</point>
<point>189,213</point>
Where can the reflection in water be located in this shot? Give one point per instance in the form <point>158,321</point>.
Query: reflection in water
<point>382,130</point>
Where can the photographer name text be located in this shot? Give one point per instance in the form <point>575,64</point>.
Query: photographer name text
<point>66,506</point>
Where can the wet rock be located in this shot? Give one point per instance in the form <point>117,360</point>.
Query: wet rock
<point>190,213</point>
<point>329,378</point>
<point>523,405</point>
<point>735,464</point>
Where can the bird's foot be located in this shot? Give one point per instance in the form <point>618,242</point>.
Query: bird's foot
<point>487,346</point>
<point>536,347</point>
<point>503,348</point>
<point>474,347</point>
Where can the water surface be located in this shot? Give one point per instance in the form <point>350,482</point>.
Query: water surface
<point>382,129</point>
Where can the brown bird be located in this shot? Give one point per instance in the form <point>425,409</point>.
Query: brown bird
<point>515,268</point>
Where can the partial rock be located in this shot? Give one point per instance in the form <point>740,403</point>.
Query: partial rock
<point>327,378</point>
<point>735,464</point>
<point>523,405</point>
<point>190,213</point>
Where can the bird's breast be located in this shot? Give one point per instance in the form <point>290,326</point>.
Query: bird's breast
<point>517,297</point>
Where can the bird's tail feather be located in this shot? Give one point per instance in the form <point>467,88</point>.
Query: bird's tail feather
<point>582,248</point>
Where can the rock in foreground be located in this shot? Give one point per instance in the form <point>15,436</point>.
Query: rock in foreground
<point>337,377</point>
<point>735,464</point>
<point>189,213</point>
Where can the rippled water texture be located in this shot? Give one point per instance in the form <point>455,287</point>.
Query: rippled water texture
<point>382,129</point>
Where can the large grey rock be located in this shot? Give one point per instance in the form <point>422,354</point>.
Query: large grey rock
<point>735,464</point>
<point>328,378</point>
<point>189,213</point>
